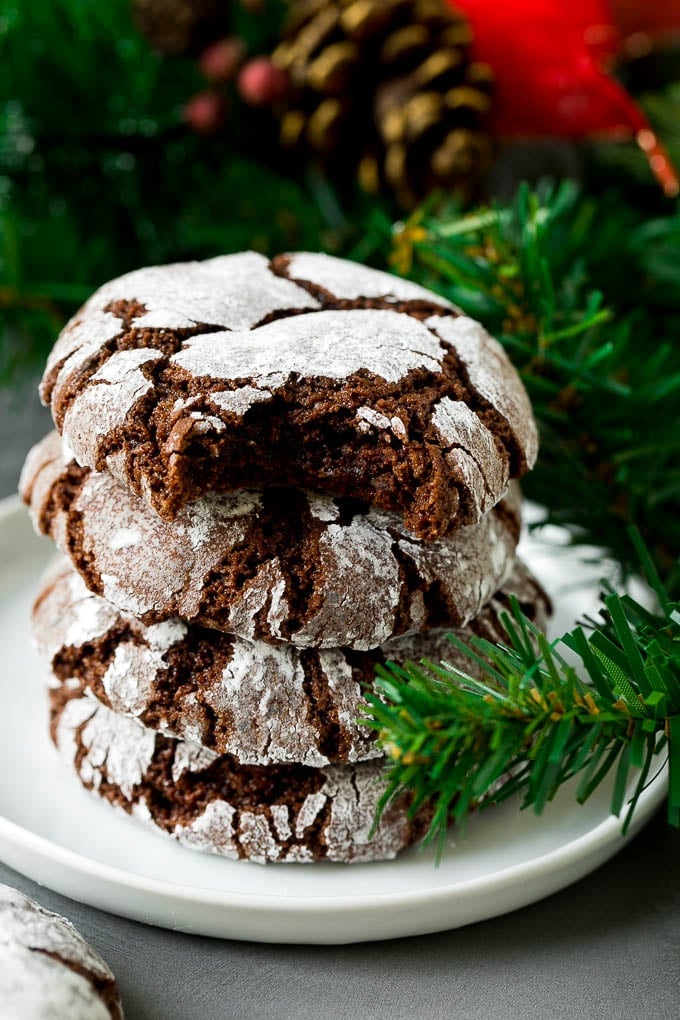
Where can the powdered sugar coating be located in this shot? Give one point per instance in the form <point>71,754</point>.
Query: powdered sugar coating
<point>258,702</point>
<point>360,569</point>
<point>104,406</point>
<point>240,400</point>
<point>486,469</point>
<point>329,344</point>
<point>348,280</point>
<point>281,828</point>
<point>370,418</point>
<point>87,620</point>
<point>230,291</point>
<point>252,701</point>
<point>81,341</point>
<point>484,361</point>
<point>47,969</point>
<point>190,356</point>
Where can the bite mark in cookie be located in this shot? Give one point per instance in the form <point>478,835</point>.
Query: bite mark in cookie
<point>273,565</point>
<point>284,380</point>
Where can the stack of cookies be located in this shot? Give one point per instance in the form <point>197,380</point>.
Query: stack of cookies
<point>268,477</point>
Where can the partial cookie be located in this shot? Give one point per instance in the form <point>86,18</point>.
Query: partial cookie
<point>259,703</point>
<point>47,969</point>
<point>308,372</point>
<point>213,804</point>
<point>273,565</point>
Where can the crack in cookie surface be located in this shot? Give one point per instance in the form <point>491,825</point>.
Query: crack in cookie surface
<point>259,703</point>
<point>213,804</point>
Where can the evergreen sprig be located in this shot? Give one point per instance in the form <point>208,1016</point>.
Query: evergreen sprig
<point>541,714</point>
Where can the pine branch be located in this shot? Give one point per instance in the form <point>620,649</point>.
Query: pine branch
<point>541,714</point>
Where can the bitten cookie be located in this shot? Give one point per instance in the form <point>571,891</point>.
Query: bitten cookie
<point>257,702</point>
<point>47,969</point>
<point>307,371</point>
<point>273,565</point>
<point>213,804</point>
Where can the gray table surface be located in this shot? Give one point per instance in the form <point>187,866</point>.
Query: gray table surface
<point>607,947</point>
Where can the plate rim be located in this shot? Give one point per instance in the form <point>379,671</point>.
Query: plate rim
<point>602,835</point>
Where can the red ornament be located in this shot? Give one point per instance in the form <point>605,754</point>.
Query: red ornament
<point>261,84</point>
<point>206,112</point>
<point>551,60</point>
<point>220,61</point>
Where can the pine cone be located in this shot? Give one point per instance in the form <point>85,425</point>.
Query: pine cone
<point>180,26</point>
<point>387,88</point>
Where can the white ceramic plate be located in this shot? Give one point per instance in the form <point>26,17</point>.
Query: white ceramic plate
<point>54,832</point>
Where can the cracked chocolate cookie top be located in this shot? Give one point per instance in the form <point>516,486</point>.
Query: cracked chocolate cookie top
<point>213,804</point>
<point>259,703</point>
<point>273,564</point>
<point>47,969</point>
<point>306,371</point>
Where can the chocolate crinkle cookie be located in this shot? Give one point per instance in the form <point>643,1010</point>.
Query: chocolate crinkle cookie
<point>214,804</point>
<point>47,969</point>
<point>307,372</point>
<point>276,565</point>
<point>259,703</point>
